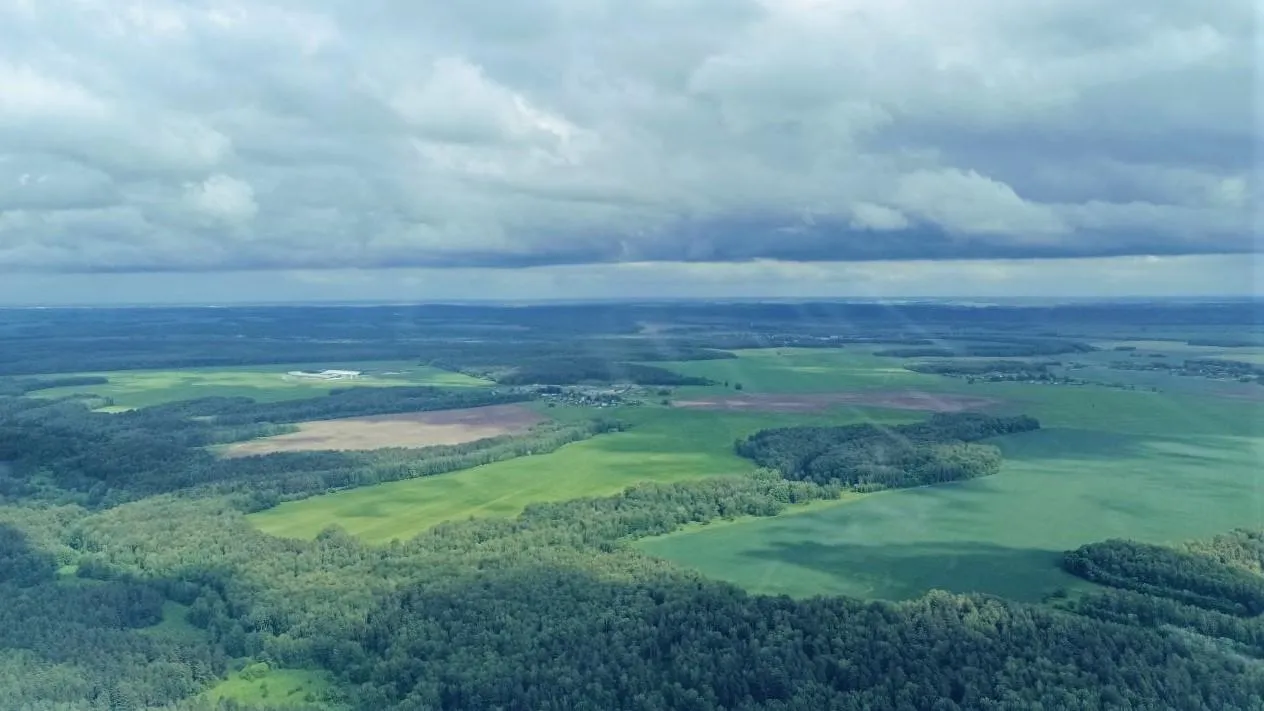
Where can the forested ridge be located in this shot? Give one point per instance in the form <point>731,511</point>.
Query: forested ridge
<point>1185,577</point>
<point>553,610</point>
<point>869,457</point>
<point>1208,588</point>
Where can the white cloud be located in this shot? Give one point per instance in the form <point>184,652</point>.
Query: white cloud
<point>313,134</point>
<point>223,198</point>
<point>966,203</point>
<point>868,216</point>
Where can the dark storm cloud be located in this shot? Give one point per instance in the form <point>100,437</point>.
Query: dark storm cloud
<point>156,135</point>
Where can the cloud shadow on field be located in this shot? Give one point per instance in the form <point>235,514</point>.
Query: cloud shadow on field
<point>905,571</point>
<point>1054,443</point>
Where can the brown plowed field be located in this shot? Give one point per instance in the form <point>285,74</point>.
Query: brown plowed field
<point>412,429</point>
<point>815,402</point>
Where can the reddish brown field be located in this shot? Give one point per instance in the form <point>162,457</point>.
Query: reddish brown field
<point>815,402</point>
<point>412,429</point>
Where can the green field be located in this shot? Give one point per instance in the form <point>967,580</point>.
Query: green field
<point>664,445</point>
<point>807,370</point>
<point>265,383</point>
<point>276,687</point>
<point>1110,463</point>
<point>1059,489</point>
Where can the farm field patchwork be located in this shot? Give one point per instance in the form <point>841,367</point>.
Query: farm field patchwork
<point>411,429</point>
<point>1104,453</point>
<point>265,383</point>
<point>663,445</point>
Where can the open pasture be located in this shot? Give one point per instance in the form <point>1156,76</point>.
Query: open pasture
<point>264,383</point>
<point>409,429</point>
<point>663,445</point>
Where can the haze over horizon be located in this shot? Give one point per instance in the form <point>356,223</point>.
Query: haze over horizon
<point>164,151</point>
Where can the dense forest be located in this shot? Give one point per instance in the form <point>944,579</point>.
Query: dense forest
<point>89,643</point>
<point>868,457</point>
<point>553,611</point>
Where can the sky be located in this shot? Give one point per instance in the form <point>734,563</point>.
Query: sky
<point>263,150</point>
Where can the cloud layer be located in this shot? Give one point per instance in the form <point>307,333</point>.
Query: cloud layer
<point>163,135</point>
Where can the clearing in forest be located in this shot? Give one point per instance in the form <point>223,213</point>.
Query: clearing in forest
<point>409,429</point>
<point>817,402</point>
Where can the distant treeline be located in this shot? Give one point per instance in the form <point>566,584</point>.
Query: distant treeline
<point>981,367</point>
<point>871,457</point>
<point>1016,348</point>
<point>339,403</point>
<point>1215,368</point>
<point>94,340</point>
<point>1227,342</point>
<point>1235,367</point>
<point>742,341</point>
<point>21,386</point>
<point>174,349</point>
<point>581,369</point>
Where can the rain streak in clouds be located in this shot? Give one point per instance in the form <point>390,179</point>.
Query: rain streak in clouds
<point>149,136</point>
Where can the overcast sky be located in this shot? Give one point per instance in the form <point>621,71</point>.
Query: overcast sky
<point>215,150</point>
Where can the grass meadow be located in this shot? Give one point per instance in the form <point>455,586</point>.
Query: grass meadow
<point>265,383</point>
